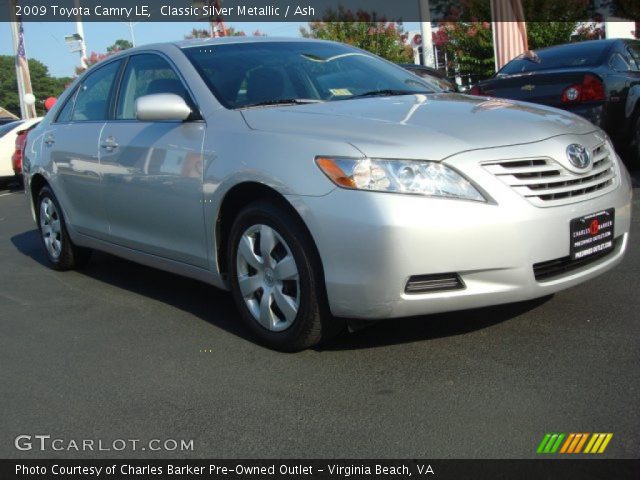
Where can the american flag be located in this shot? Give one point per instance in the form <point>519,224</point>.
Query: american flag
<point>24,66</point>
<point>509,30</point>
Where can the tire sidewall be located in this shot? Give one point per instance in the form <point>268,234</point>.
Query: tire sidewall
<point>310,305</point>
<point>59,263</point>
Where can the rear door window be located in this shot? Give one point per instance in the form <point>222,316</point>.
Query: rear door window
<point>633,50</point>
<point>619,63</point>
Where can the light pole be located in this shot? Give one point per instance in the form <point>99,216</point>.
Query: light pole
<point>82,47</point>
<point>133,37</point>
<point>425,31</point>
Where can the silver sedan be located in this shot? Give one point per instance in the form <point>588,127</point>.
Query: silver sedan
<point>320,183</point>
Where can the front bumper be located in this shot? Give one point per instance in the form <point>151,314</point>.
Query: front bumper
<point>372,243</point>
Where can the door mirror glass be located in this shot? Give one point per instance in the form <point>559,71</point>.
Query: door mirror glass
<point>162,107</point>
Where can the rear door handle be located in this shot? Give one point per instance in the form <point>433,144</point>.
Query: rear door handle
<point>49,140</point>
<point>109,144</point>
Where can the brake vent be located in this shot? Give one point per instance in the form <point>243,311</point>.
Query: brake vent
<point>433,283</point>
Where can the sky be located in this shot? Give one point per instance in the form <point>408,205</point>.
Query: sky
<point>45,41</point>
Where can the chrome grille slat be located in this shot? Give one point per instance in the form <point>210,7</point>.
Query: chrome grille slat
<point>584,183</point>
<point>498,169</point>
<point>599,153</point>
<point>546,183</point>
<point>517,180</point>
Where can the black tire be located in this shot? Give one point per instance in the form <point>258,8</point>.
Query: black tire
<point>70,256</point>
<point>313,322</point>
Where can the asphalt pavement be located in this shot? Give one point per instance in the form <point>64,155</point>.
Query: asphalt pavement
<point>122,351</point>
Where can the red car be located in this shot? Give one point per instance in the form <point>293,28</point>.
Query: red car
<point>16,158</point>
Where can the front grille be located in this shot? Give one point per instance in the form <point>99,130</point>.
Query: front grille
<point>560,266</point>
<point>434,283</point>
<point>546,183</point>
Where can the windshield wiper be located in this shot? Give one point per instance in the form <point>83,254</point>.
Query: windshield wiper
<point>389,93</point>
<point>282,101</point>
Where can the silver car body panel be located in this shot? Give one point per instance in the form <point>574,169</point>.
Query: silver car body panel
<point>369,243</point>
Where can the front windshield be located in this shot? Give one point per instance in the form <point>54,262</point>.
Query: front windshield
<point>263,73</point>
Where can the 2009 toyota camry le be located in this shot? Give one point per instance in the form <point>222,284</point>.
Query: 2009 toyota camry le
<point>320,183</point>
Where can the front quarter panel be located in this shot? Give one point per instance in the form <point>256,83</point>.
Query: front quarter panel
<point>235,154</point>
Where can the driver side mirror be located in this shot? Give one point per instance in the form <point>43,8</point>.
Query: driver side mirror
<point>162,107</point>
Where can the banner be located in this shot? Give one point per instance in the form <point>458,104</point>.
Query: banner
<point>320,469</point>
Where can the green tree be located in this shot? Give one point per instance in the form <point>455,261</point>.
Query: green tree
<point>545,34</point>
<point>230,32</point>
<point>364,31</point>
<point>469,48</point>
<point>469,45</point>
<point>119,45</point>
<point>198,33</point>
<point>43,84</point>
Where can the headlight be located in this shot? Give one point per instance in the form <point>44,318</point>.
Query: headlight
<point>399,176</point>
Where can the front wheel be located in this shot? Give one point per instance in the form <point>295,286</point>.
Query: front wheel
<point>275,278</point>
<point>60,250</point>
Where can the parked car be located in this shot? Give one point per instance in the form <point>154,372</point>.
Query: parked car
<point>318,182</point>
<point>5,120</point>
<point>8,135</point>
<point>431,75</point>
<point>16,158</point>
<point>598,79</point>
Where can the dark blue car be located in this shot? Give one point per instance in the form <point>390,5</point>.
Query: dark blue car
<point>599,80</point>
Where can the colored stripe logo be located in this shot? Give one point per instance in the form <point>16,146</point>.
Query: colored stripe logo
<point>573,443</point>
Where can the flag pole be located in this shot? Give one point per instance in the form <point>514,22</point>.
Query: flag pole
<point>19,79</point>
<point>27,110</point>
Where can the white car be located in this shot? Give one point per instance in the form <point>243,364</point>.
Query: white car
<point>8,134</point>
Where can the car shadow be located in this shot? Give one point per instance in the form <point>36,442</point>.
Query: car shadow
<point>216,306</point>
<point>208,303</point>
<point>11,186</point>
<point>428,327</point>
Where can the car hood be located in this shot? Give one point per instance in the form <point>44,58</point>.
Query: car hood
<point>431,127</point>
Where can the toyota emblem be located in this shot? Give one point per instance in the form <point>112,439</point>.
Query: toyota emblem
<point>578,156</point>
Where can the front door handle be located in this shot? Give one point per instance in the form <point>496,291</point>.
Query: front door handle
<point>109,144</point>
<point>49,140</point>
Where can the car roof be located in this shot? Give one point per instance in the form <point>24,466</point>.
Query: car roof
<point>199,42</point>
<point>569,46</point>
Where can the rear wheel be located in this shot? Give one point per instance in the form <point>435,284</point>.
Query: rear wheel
<point>60,250</point>
<point>275,278</point>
